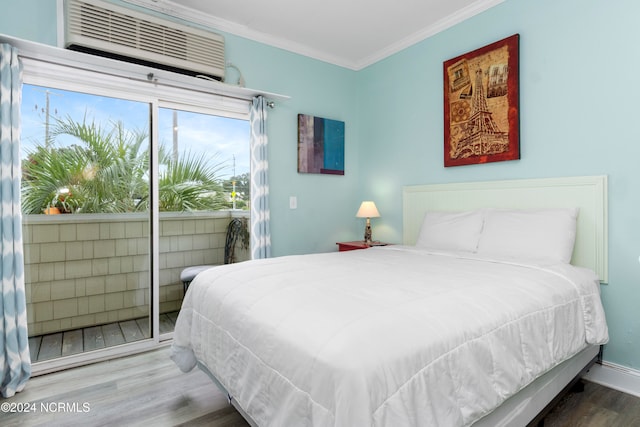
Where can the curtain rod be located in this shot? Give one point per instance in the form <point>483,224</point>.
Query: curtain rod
<point>112,67</point>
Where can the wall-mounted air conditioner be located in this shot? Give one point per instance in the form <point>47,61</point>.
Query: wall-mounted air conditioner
<point>105,29</point>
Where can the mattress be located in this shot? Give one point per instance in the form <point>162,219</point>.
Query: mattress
<point>385,336</point>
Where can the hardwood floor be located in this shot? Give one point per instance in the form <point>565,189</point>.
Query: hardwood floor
<point>149,390</point>
<point>142,390</point>
<point>595,406</point>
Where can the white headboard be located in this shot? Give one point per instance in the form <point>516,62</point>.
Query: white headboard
<point>588,193</point>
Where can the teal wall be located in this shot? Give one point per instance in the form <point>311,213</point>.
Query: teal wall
<point>578,107</point>
<point>29,19</point>
<point>324,201</point>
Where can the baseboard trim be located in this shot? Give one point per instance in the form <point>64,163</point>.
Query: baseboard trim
<point>615,376</point>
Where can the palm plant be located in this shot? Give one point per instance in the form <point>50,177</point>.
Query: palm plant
<point>190,184</point>
<point>107,171</point>
<point>45,172</point>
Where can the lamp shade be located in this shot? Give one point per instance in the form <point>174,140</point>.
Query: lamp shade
<point>368,210</point>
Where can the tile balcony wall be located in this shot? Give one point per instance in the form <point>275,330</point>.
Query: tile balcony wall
<point>86,270</point>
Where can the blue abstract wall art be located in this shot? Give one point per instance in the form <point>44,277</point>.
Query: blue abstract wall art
<point>320,145</point>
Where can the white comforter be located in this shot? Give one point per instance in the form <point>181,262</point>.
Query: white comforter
<point>390,336</point>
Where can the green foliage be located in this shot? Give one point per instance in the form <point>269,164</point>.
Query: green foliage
<point>242,184</point>
<point>108,172</point>
<point>190,184</point>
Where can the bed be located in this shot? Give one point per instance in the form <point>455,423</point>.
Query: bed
<point>459,325</point>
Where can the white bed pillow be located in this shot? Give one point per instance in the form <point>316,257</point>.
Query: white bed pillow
<point>541,234</point>
<point>450,231</point>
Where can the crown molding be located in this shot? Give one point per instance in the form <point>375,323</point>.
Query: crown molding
<point>439,26</point>
<point>189,15</point>
<point>171,8</point>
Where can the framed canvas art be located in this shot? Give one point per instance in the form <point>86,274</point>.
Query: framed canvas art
<point>481,105</point>
<point>320,145</point>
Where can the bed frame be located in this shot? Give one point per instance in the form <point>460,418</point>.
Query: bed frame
<point>589,194</point>
<point>527,408</point>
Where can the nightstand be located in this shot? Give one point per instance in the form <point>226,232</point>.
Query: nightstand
<point>358,244</point>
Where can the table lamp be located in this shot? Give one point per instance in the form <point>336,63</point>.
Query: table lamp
<point>368,210</point>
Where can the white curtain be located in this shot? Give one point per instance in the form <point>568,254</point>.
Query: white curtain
<point>260,234</point>
<point>15,362</point>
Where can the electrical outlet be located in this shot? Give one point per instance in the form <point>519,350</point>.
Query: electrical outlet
<point>293,202</point>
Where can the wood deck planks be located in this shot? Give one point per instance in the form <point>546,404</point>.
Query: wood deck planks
<point>72,342</point>
<point>93,338</point>
<point>131,331</point>
<point>143,324</point>
<point>45,347</point>
<point>166,325</point>
<point>173,316</point>
<point>112,335</point>
<point>34,347</point>
<point>51,346</point>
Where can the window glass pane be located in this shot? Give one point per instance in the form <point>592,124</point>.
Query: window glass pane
<point>204,161</point>
<point>83,153</point>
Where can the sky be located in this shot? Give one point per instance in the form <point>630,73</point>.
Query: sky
<point>220,138</point>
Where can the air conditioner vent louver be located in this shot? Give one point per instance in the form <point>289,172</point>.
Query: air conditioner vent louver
<point>108,30</point>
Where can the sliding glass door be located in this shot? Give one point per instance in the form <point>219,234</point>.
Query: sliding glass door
<point>86,201</point>
<point>122,189</point>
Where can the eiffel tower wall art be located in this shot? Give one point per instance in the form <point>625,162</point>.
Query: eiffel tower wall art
<point>481,105</point>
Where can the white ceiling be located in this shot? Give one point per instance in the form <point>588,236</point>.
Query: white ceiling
<point>348,33</point>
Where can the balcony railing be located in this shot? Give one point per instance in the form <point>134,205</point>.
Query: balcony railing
<point>93,269</point>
